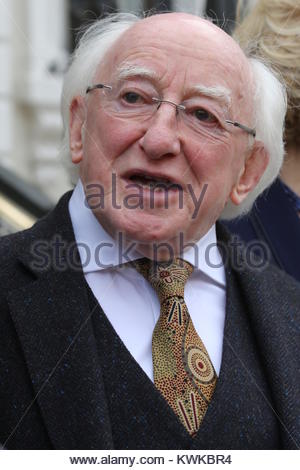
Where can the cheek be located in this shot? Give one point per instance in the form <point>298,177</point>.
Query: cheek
<point>218,167</point>
<point>108,135</point>
<point>211,163</point>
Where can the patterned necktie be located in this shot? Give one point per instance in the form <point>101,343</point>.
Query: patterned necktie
<point>183,371</point>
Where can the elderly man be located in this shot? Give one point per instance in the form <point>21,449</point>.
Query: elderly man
<point>123,325</point>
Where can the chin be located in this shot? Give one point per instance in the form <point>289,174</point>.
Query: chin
<point>148,228</point>
<point>161,244</point>
<point>145,229</point>
<point>145,235</point>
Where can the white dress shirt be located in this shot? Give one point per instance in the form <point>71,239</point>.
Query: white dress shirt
<point>129,301</point>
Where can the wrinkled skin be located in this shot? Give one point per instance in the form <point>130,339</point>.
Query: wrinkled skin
<point>183,50</point>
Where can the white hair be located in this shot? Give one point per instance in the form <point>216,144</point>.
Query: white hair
<point>270,104</point>
<point>269,98</point>
<point>91,49</point>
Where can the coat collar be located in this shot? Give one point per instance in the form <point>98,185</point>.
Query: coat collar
<point>53,321</point>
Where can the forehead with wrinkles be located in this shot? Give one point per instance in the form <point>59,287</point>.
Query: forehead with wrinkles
<point>182,41</point>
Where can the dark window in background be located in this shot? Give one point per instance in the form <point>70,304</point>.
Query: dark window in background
<point>85,11</point>
<point>222,12</point>
<point>157,5</point>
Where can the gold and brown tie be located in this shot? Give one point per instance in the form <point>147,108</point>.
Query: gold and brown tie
<point>183,371</point>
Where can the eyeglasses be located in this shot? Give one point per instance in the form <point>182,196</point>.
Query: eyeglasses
<point>136,102</point>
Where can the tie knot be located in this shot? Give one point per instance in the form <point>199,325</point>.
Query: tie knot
<point>167,279</point>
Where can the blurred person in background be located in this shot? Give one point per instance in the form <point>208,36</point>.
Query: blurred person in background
<point>271,29</point>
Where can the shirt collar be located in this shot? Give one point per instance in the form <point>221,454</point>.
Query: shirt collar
<point>98,250</point>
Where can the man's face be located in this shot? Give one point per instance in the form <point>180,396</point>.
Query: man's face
<point>176,53</point>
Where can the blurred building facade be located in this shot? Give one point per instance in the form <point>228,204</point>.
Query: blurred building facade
<point>34,53</point>
<point>36,39</point>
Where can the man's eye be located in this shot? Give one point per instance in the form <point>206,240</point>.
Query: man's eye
<point>132,98</point>
<point>204,116</point>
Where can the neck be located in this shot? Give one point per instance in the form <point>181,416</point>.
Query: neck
<point>290,171</point>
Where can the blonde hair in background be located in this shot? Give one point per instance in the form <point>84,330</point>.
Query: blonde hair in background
<point>272,27</point>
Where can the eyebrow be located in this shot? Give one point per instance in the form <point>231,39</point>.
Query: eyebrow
<point>128,70</point>
<point>218,93</point>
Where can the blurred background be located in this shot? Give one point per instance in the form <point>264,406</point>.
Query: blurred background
<point>36,40</point>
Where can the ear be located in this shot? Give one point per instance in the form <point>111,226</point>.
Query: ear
<point>77,119</point>
<point>255,164</point>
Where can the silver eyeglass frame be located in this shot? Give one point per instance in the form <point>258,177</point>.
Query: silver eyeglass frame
<point>247,129</point>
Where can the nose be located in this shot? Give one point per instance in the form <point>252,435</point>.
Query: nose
<point>161,135</point>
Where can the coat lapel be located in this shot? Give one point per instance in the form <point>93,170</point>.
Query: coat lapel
<point>277,329</point>
<point>275,320</point>
<point>53,321</point>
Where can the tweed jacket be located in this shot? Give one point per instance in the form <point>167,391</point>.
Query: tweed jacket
<point>51,388</point>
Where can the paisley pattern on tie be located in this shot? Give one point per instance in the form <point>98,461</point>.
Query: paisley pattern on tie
<point>183,371</point>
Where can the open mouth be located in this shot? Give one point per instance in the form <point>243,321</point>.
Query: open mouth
<point>152,181</point>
